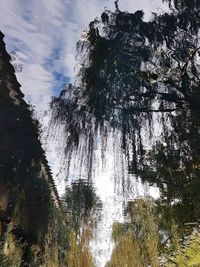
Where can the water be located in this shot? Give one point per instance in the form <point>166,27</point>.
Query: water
<point>45,35</point>
<point>43,39</point>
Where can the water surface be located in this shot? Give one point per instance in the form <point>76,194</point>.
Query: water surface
<point>45,34</point>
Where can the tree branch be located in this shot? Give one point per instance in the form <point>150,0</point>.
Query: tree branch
<point>146,110</point>
<point>189,59</point>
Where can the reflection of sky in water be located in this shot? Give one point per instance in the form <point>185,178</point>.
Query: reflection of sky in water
<point>45,32</point>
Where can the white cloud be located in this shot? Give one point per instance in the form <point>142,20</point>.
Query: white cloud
<point>39,28</point>
<point>37,83</point>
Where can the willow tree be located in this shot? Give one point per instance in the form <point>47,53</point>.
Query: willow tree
<point>130,70</point>
<point>181,4</point>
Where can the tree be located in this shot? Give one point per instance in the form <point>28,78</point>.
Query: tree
<point>137,241</point>
<point>81,203</point>
<point>130,70</point>
<point>173,164</point>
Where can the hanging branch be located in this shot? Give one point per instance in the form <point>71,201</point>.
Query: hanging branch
<point>117,6</point>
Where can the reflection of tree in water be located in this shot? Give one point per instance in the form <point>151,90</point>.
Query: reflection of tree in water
<point>82,204</point>
<point>141,240</point>
<point>181,4</point>
<point>174,167</point>
<point>137,241</point>
<point>130,71</point>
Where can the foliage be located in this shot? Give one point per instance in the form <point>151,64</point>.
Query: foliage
<point>4,261</point>
<point>137,241</point>
<point>181,4</point>
<point>56,240</point>
<point>186,254</point>
<point>26,184</point>
<point>81,203</point>
<point>189,254</point>
<point>126,253</point>
<point>79,254</point>
<point>130,71</point>
<point>173,165</point>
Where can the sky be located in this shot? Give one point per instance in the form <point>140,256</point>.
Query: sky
<point>44,33</point>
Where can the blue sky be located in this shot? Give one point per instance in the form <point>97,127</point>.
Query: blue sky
<point>45,33</point>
